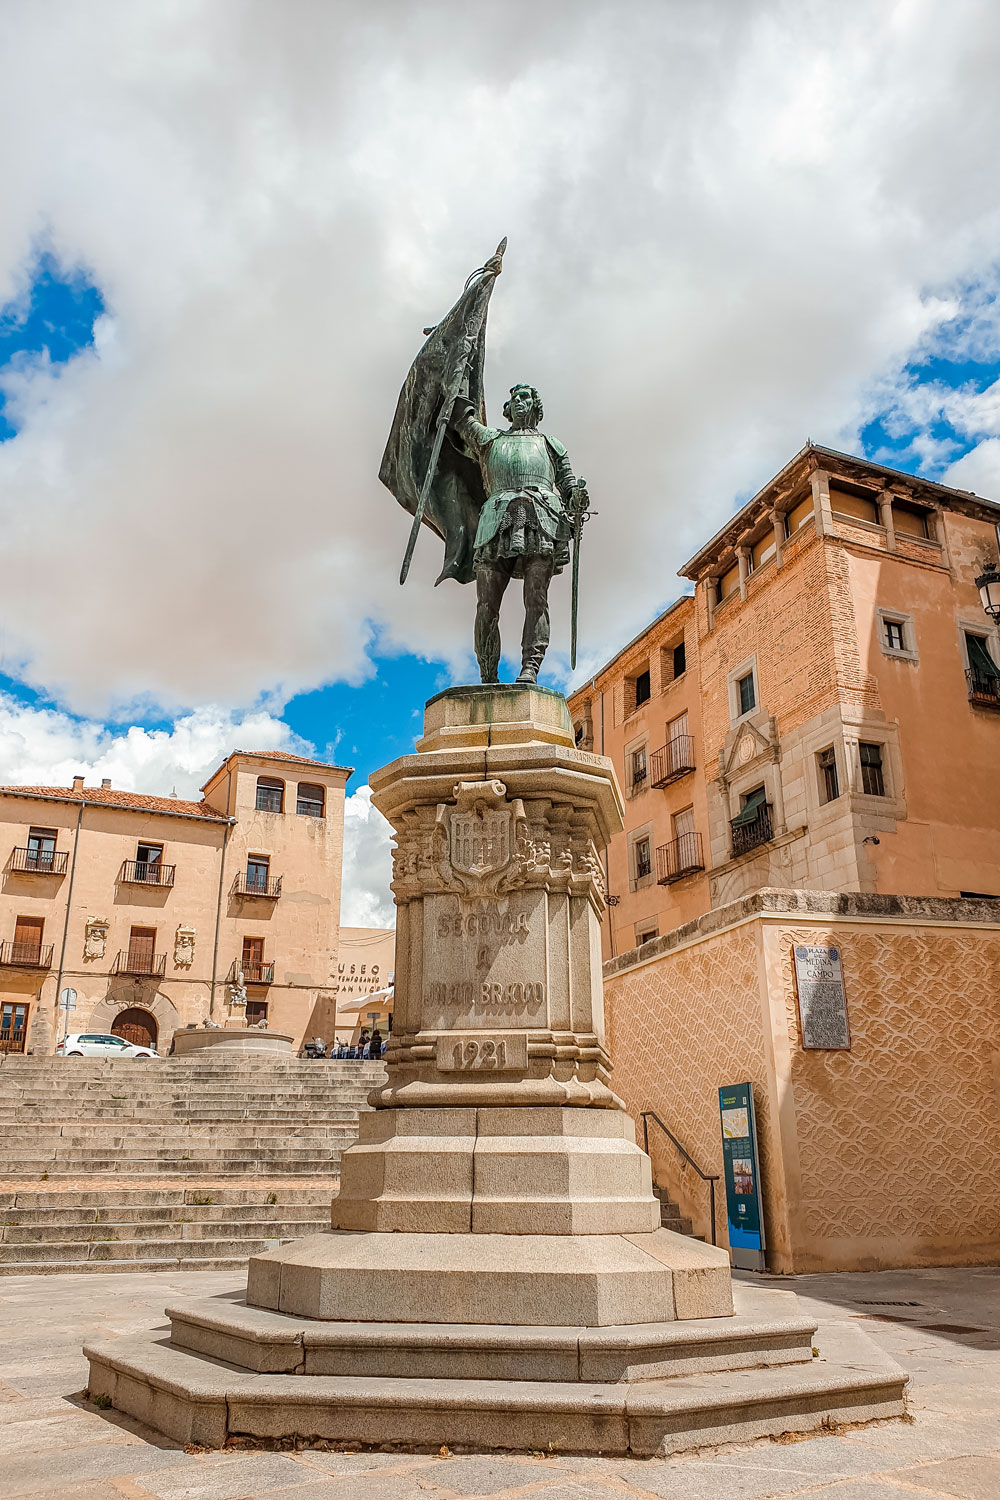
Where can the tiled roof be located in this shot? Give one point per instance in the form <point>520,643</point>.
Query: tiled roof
<point>301,760</point>
<point>112,797</point>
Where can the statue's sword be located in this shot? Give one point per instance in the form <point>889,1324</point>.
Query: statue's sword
<point>578,505</point>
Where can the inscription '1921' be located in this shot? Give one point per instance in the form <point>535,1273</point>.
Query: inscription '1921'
<point>483,1054</point>
<point>466,993</point>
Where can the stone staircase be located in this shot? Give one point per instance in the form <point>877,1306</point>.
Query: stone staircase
<point>671,1216</point>
<point>113,1165</point>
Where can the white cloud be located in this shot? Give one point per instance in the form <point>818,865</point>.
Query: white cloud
<point>366,900</point>
<point>729,226</point>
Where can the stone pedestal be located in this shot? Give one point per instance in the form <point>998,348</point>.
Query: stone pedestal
<point>495,1272</point>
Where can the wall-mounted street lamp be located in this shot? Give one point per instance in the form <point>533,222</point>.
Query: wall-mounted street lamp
<point>988,584</point>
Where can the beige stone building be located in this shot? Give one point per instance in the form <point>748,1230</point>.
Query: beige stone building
<point>148,907</point>
<point>809,748</point>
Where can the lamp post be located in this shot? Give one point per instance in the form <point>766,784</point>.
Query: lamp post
<point>988,584</point>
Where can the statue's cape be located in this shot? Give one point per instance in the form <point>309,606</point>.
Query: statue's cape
<point>457,494</point>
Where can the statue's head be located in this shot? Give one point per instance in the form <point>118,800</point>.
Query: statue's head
<point>524,406</point>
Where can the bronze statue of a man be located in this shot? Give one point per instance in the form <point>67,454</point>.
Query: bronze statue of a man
<point>505,503</point>
<point>524,527</point>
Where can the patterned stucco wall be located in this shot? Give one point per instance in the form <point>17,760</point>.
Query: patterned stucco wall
<point>897,1139</point>
<point>678,1029</point>
<point>884,1155</point>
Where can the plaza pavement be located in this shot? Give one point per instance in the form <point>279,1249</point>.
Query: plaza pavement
<point>943,1326</point>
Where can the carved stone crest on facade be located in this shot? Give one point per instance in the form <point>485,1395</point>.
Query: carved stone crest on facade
<point>96,937</point>
<point>184,946</point>
<point>481,832</point>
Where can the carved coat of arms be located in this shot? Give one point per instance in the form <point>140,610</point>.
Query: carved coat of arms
<point>481,830</point>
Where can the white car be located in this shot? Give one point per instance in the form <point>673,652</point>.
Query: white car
<point>101,1044</point>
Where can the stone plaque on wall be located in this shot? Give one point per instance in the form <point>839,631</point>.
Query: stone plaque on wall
<point>819,981</point>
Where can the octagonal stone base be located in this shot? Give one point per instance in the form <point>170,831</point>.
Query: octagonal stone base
<point>585,1280</point>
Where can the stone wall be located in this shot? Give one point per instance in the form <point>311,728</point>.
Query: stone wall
<point>878,1156</point>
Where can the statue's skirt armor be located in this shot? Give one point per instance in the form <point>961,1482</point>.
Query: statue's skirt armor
<point>524,515</point>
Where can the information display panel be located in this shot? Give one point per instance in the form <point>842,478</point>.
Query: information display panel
<point>744,1202</point>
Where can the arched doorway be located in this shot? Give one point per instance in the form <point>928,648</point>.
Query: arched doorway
<point>136,1026</point>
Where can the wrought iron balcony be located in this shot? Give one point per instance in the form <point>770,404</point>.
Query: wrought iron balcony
<point>682,856</point>
<point>26,955</point>
<point>246,885</point>
<point>38,861</point>
<point>672,760</point>
<point>146,872</point>
<point>984,689</point>
<point>257,973</point>
<point>750,835</point>
<point>141,962</point>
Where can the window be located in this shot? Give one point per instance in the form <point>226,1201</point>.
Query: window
<point>894,635</point>
<point>310,800</point>
<point>678,727</point>
<point>645,934</point>
<point>981,663</point>
<point>908,520</point>
<point>746,697</point>
<point>41,849</point>
<point>639,769</point>
<point>798,515</point>
<point>13,1025</point>
<point>253,951</point>
<point>728,583</point>
<point>270,795</point>
<point>141,950</point>
<point>258,866</point>
<point>763,551</point>
<point>578,733</point>
<point>683,822</point>
<point>27,947</point>
<point>680,660</point>
<point>829,781</point>
<point>857,507</point>
<point>872,778</point>
<point>642,688</point>
<point>256,1012</point>
<point>643,860</point>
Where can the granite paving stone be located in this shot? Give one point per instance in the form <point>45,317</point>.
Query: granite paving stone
<point>56,1446</point>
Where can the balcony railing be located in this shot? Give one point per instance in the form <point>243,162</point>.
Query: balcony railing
<point>268,886</point>
<point>141,962</point>
<point>682,856</point>
<point>672,760</point>
<point>747,836</point>
<point>146,872</point>
<point>257,973</point>
<point>643,867</point>
<point>26,955</point>
<point>38,861</point>
<point>13,1040</point>
<point>984,689</point>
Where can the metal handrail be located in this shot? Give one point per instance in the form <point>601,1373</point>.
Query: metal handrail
<point>672,761</point>
<point>38,861</point>
<point>747,836</point>
<point>22,954</point>
<point>682,856</point>
<point>141,962</point>
<point>710,1177</point>
<point>983,688</point>
<point>244,886</point>
<point>146,872</point>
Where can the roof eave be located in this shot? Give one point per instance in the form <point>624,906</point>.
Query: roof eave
<point>164,812</point>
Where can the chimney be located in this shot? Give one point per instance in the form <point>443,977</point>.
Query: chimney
<point>78,783</point>
<point>106,783</point>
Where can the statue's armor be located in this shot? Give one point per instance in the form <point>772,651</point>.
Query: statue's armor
<point>526,476</point>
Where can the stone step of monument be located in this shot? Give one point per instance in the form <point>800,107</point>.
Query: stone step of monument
<point>106,1134</point>
<point>22,1241</point>
<point>17,1225</point>
<point>156,1168</point>
<point>231,1194</point>
<point>194,1399</point>
<point>132,1255</point>
<point>53,1113</point>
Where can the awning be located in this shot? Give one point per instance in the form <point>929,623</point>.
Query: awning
<point>751,808</point>
<point>377,1000</point>
<point>980,659</point>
